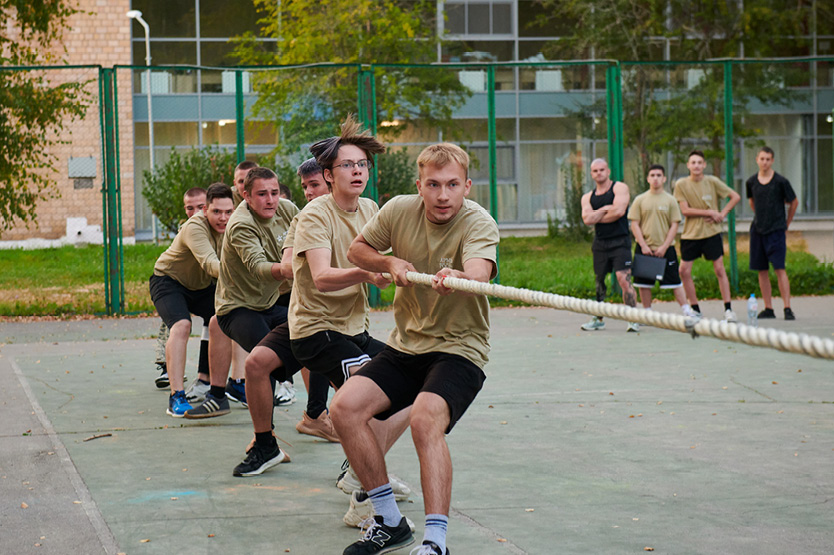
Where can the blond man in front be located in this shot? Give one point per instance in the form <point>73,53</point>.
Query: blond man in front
<point>435,356</point>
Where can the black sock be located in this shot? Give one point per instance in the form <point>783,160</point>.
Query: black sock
<point>696,308</point>
<point>727,306</point>
<point>264,439</point>
<point>217,391</point>
<point>203,364</point>
<point>202,381</point>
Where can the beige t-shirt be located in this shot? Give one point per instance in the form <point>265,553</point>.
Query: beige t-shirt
<point>322,224</point>
<point>705,194</point>
<point>250,247</point>
<point>425,321</point>
<point>654,213</point>
<point>193,257</point>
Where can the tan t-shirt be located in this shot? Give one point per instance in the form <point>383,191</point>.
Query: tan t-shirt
<point>425,321</point>
<point>250,247</point>
<point>322,224</point>
<point>237,198</point>
<point>654,213</point>
<point>705,194</point>
<point>193,257</point>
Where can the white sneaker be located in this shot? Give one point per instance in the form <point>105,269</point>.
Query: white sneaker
<point>360,511</point>
<point>730,316</point>
<point>284,394</point>
<point>196,392</point>
<point>595,324</point>
<point>633,326</point>
<point>349,483</point>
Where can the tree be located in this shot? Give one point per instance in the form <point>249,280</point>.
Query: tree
<point>33,111</point>
<point>307,103</point>
<point>660,110</point>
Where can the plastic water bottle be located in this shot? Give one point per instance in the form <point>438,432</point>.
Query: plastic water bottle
<point>752,311</point>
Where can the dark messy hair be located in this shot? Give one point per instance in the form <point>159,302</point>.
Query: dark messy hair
<point>218,190</point>
<point>327,150</point>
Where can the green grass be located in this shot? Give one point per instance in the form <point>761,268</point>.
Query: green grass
<point>69,281</point>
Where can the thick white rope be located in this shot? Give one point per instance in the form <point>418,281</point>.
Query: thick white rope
<point>799,343</point>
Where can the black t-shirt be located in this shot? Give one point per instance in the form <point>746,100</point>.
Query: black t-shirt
<point>769,202</point>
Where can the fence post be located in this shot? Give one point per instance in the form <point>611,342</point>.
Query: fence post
<point>493,159</point>
<point>614,120</point>
<point>239,116</point>
<point>111,202</point>
<point>730,173</point>
<point>366,95</point>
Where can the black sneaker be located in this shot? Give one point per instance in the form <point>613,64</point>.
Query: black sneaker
<point>429,548</point>
<point>789,315</point>
<point>162,380</point>
<point>210,407</point>
<point>259,459</point>
<point>379,538</point>
<point>767,314</point>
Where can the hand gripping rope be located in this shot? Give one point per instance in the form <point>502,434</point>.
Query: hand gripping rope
<point>799,343</point>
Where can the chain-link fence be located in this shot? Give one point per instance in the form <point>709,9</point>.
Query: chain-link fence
<point>532,129</point>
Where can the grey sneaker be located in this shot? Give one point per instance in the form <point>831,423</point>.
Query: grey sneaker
<point>211,407</point>
<point>197,391</point>
<point>595,324</point>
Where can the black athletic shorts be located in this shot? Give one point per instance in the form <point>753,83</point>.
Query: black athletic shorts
<point>712,248</point>
<point>402,376</point>
<point>671,276</point>
<point>278,341</point>
<point>334,354</point>
<point>770,247</point>
<point>247,327</point>
<point>611,255</point>
<point>175,302</point>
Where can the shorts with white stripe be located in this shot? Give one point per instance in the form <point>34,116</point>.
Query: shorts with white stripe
<point>334,354</point>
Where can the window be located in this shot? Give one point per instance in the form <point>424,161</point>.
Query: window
<point>484,17</point>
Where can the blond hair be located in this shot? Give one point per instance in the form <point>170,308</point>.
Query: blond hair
<point>442,154</point>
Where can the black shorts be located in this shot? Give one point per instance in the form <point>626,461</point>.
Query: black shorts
<point>334,354</point>
<point>671,277</point>
<point>247,327</point>
<point>770,247</point>
<point>611,255</point>
<point>175,302</point>
<point>402,376</point>
<point>712,248</point>
<point>278,341</point>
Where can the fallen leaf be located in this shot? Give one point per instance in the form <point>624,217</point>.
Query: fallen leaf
<point>725,387</point>
<point>660,402</point>
<point>648,549</point>
<point>775,383</point>
<point>37,545</point>
<point>800,370</point>
<point>529,510</point>
<point>780,412</point>
<point>631,416</point>
<point>503,422</point>
<point>502,540</point>
<point>174,498</point>
<point>581,405</point>
<point>211,535</point>
<point>144,541</point>
<point>490,407</point>
<point>24,506</point>
<point>611,393</point>
<point>76,502</point>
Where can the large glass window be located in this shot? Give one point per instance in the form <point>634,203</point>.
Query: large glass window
<point>169,19</point>
<point>221,18</point>
<point>479,17</point>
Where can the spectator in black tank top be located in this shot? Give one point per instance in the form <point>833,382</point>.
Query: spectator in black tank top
<point>605,208</point>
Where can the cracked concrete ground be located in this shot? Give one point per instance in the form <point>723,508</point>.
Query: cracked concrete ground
<point>580,442</point>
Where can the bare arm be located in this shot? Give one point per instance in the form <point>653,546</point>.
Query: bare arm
<point>734,199</point>
<point>368,258</point>
<point>792,210</point>
<point>286,263</point>
<point>620,204</point>
<point>752,205</point>
<point>638,236</point>
<point>327,278</point>
<point>477,269</point>
<point>670,238</point>
<point>589,215</point>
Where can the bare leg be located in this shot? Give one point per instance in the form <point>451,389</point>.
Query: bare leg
<point>352,409</point>
<point>624,279</point>
<point>784,287</point>
<point>429,420</point>
<point>238,362</point>
<point>680,296</point>
<point>305,375</point>
<point>259,364</point>
<point>645,296</point>
<point>723,281</point>
<point>220,353</point>
<point>175,351</point>
<point>688,284</point>
<point>765,288</point>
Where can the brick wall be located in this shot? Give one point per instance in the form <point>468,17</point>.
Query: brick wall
<point>99,34</point>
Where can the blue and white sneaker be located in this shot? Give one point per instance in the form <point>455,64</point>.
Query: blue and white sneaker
<point>177,404</point>
<point>236,391</point>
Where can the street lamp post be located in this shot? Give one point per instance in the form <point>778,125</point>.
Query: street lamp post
<point>137,15</point>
